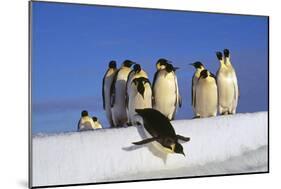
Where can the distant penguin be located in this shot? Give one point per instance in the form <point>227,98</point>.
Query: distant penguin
<point>97,124</point>
<point>139,97</point>
<point>86,122</point>
<point>106,85</point>
<point>161,63</point>
<point>160,130</point>
<point>118,94</point>
<point>228,90</point>
<point>206,96</point>
<point>166,96</point>
<point>199,67</point>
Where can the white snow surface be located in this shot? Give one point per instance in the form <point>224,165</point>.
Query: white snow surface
<point>219,145</point>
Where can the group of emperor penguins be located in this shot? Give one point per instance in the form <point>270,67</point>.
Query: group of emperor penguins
<point>128,88</point>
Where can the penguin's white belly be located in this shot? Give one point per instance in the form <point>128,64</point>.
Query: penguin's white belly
<point>165,95</point>
<point>119,113</point>
<point>136,101</point>
<point>226,91</point>
<point>157,145</point>
<point>206,98</point>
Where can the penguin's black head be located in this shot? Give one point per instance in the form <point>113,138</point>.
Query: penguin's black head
<point>84,113</point>
<point>162,62</point>
<point>226,53</point>
<point>204,73</point>
<point>178,149</point>
<point>95,118</point>
<point>112,64</point>
<point>170,68</point>
<point>197,65</point>
<point>137,68</point>
<point>128,63</point>
<point>219,55</point>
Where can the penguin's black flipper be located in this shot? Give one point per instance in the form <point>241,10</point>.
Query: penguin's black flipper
<point>145,141</point>
<point>185,139</point>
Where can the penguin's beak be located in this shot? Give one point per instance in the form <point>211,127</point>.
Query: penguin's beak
<point>183,154</point>
<point>191,64</point>
<point>176,68</point>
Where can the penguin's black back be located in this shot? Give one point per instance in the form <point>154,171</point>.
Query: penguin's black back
<point>156,123</point>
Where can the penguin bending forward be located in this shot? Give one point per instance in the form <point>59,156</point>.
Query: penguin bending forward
<point>161,131</point>
<point>227,84</point>
<point>86,122</point>
<point>166,96</point>
<point>139,97</point>
<point>206,96</point>
<point>199,67</point>
<point>118,94</point>
<point>106,85</point>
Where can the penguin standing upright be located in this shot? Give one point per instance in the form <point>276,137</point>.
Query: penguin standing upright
<point>139,97</point>
<point>106,85</point>
<point>86,122</point>
<point>97,124</point>
<point>199,67</point>
<point>206,95</point>
<point>118,93</point>
<point>228,90</point>
<point>166,97</point>
<point>160,130</point>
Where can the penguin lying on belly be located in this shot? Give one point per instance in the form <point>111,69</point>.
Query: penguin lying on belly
<point>161,131</point>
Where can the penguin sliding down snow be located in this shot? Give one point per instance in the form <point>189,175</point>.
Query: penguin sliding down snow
<point>118,94</point>
<point>86,122</point>
<point>206,95</point>
<point>161,131</point>
<point>165,90</point>
<point>228,90</point>
<point>199,67</point>
<point>106,85</point>
<point>139,97</point>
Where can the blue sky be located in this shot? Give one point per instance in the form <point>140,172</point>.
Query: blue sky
<point>72,45</point>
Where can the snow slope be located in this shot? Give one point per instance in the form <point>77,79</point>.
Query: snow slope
<point>219,145</point>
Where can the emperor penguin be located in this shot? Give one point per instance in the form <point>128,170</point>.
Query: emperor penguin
<point>165,91</point>
<point>161,131</point>
<point>206,95</point>
<point>97,124</point>
<point>199,67</point>
<point>86,122</point>
<point>118,94</point>
<point>139,97</point>
<point>106,85</point>
<point>228,90</point>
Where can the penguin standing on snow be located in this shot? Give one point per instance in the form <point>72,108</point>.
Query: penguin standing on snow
<point>161,130</point>
<point>86,122</point>
<point>106,85</point>
<point>206,95</point>
<point>227,85</point>
<point>199,67</point>
<point>97,124</point>
<point>165,89</point>
<point>139,97</point>
<point>118,94</point>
